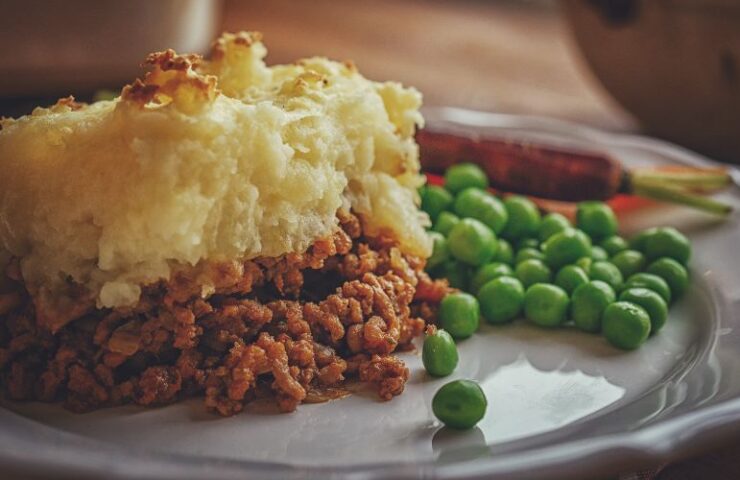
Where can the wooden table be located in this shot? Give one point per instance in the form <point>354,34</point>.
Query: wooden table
<point>484,55</point>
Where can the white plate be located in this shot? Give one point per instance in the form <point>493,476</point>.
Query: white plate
<point>562,404</point>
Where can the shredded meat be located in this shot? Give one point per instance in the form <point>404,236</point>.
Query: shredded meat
<point>293,328</point>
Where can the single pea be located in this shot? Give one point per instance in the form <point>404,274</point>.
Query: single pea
<point>457,274</point>
<point>668,242</point>
<point>551,224</point>
<point>532,271</point>
<point>566,247</point>
<point>481,205</point>
<point>545,305</point>
<point>629,262</point>
<point>439,353</point>
<point>597,219</point>
<point>445,222</point>
<point>460,404</point>
<point>570,277</point>
<point>613,245</point>
<point>528,253</point>
<point>524,218</point>
<point>598,253</point>
<point>465,175</point>
<point>436,200</point>
<point>459,314</point>
<point>472,242</point>
<point>488,272</point>
<point>504,252</point>
<point>638,241</point>
<point>651,282</point>
<point>625,325</point>
<point>421,190</point>
<point>588,304</point>
<point>501,299</point>
<point>653,304</point>
<point>585,263</point>
<point>440,250</point>
<point>527,243</point>
<point>675,274</point>
<point>608,273</point>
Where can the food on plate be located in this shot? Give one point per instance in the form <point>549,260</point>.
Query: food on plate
<point>560,173</point>
<point>459,314</point>
<point>460,404</point>
<point>501,299</point>
<point>587,304</point>
<point>562,274</point>
<point>222,229</point>
<point>545,305</point>
<point>626,325</point>
<point>439,352</point>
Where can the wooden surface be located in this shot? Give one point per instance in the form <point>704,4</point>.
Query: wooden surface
<point>486,55</point>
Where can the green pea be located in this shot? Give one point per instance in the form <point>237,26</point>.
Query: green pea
<point>465,175</point>
<point>481,205</point>
<point>528,253</point>
<point>532,271</point>
<point>673,273</point>
<point>459,314</point>
<point>629,262</point>
<point>501,299</point>
<point>588,304</point>
<point>668,242</point>
<point>471,242</point>
<point>598,253</point>
<point>445,222</point>
<point>597,219</point>
<point>421,191</point>
<point>625,325</point>
<point>527,243</point>
<point>570,277</point>
<point>504,252</point>
<point>552,223</point>
<point>439,353</point>
<point>457,274</point>
<point>653,304</point>
<point>585,263</point>
<point>460,404</point>
<point>608,273</point>
<point>651,282</point>
<point>638,242</point>
<point>488,272</point>
<point>566,247</point>
<point>545,305</point>
<point>436,200</point>
<point>524,218</point>
<point>613,245</point>
<point>440,250</point>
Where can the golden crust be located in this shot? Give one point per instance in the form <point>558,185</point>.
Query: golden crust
<point>244,39</point>
<point>174,79</point>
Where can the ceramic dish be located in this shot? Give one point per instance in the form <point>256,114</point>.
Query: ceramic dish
<point>562,404</point>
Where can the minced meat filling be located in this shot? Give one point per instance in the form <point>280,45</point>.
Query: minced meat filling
<point>285,328</point>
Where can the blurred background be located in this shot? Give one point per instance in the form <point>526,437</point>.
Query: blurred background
<point>669,68</point>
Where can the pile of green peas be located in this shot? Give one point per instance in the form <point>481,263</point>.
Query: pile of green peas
<point>508,261</point>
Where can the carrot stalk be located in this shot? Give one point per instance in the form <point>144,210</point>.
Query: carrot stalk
<point>694,178</point>
<point>672,194</point>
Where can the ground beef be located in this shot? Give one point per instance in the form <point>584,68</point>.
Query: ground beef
<point>293,328</point>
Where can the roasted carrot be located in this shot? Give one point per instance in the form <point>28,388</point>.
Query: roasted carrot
<point>568,175</point>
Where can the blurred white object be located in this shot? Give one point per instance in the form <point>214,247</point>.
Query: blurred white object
<point>81,45</point>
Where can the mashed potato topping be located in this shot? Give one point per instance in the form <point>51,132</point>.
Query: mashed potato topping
<point>205,160</point>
